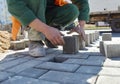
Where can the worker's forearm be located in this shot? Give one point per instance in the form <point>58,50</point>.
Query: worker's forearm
<point>38,25</point>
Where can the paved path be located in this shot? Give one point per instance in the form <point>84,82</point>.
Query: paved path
<point>86,67</point>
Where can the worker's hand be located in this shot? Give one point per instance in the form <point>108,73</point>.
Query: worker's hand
<point>79,30</point>
<point>54,36</point>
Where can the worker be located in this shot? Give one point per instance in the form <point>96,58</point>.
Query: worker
<point>45,17</point>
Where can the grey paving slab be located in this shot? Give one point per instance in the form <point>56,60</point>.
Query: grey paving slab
<point>23,66</point>
<point>89,70</point>
<point>112,62</point>
<point>5,75</point>
<point>108,80</point>
<point>69,78</point>
<point>110,71</point>
<point>12,63</point>
<point>25,80</point>
<point>112,48</point>
<point>33,72</point>
<point>74,61</point>
<point>58,66</point>
<point>94,61</point>
<point>75,56</point>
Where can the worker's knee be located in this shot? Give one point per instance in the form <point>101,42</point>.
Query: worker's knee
<point>73,11</point>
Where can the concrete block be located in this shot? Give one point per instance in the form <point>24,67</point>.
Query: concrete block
<point>58,66</point>
<point>69,78</point>
<point>112,48</point>
<point>102,51</point>
<point>87,41</point>
<point>91,38</point>
<point>96,35</point>
<point>81,42</point>
<point>106,36</point>
<point>17,45</point>
<point>71,45</point>
<point>19,37</point>
<point>27,42</point>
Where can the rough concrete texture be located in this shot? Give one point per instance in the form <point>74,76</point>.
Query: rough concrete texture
<point>81,42</point>
<point>87,41</point>
<point>71,45</point>
<point>112,48</point>
<point>17,45</point>
<point>101,46</point>
<point>106,36</point>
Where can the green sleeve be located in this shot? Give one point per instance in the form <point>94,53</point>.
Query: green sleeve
<point>19,10</point>
<point>83,6</point>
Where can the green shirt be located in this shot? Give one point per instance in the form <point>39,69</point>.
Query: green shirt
<point>27,10</point>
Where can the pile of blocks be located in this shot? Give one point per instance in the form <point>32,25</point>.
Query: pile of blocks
<point>108,47</point>
<point>75,43</point>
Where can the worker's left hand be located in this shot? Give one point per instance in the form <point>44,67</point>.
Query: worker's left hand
<point>79,30</point>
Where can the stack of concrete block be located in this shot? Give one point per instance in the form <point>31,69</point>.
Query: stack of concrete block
<point>81,42</point>
<point>105,37</point>
<point>112,48</point>
<point>91,38</point>
<point>71,45</point>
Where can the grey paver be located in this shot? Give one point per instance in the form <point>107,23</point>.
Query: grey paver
<point>58,66</point>
<point>112,48</point>
<point>75,56</point>
<point>102,48</point>
<point>33,72</point>
<point>25,80</point>
<point>94,60</point>
<point>108,80</point>
<point>74,61</point>
<point>12,63</point>
<point>69,78</point>
<point>89,69</point>
<point>23,66</point>
<point>5,75</point>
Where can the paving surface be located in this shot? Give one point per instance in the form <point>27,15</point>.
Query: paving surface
<point>86,67</point>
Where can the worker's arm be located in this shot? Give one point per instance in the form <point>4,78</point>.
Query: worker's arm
<point>26,16</point>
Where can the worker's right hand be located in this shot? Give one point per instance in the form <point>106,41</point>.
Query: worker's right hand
<point>54,36</point>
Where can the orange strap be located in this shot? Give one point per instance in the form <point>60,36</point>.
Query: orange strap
<point>60,2</point>
<point>15,27</point>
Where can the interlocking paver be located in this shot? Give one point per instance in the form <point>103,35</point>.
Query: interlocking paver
<point>25,80</point>
<point>12,63</point>
<point>58,66</point>
<point>23,66</point>
<point>69,78</point>
<point>89,69</point>
<point>108,80</point>
<point>75,56</point>
<point>5,75</point>
<point>33,72</point>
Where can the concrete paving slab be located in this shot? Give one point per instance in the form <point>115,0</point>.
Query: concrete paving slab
<point>69,78</point>
<point>33,72</point>
<point>5,75</point>
<point>58,66</point>
<point>25,80</point>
